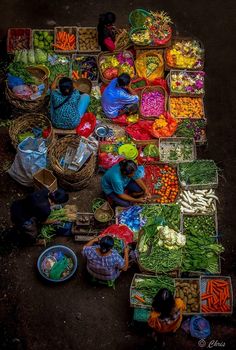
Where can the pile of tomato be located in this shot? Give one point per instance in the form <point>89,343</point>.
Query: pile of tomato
<point>162,182</point>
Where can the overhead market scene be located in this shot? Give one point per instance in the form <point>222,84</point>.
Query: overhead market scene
<point>117,177</point>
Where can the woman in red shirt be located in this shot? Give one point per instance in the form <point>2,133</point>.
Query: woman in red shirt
<point>107,31</point>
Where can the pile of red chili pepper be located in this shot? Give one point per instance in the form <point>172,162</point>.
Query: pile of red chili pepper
<point>217,296</point>
<point>162,182</point>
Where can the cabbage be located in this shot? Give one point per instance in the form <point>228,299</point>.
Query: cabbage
<point>40,56</point>
<point>24,57</point>
<point>31,58</point>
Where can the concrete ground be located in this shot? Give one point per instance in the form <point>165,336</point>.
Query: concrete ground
<point>76,315</point>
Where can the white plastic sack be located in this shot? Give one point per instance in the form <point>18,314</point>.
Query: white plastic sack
<point>31,156</point>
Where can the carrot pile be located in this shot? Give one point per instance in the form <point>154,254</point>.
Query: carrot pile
<point>216,296</point>
<point>65,41</point>
<point>186,107</point>
<point>76,76</point>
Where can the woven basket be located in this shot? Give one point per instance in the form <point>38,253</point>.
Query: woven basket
<point>105,54</point>
<point>71,177</point>
<point>26,122</point>
<point>39,72</point>
<point>140,30</point>
<point>122,41</point>
<point>143,14</point>
<point>150,89</point>
<point>141,66</point>
<point>176,39</point>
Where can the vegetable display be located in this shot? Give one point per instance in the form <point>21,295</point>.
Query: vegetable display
<point>29,57</point>
<point>216,296</point>
<point>85,67</point>
<point>19,39</point>
<point>162,182</point>
<point>170,239</point>
<point>186,107</point>
<point>88,39</point>
<point>189,292</point>
<point>144,289</point>
<point>154,258</point>
<point>197,201</point>
<point>168,214</point>
<point>199,225</point>
<point>192,128</point>
<point>187,82</point>
<point>18,69</point>
<point>113,65</point>
<point>43,39</point>
<point>176,150</point>
<point>201,253</point>
<point>152,104</point>
<point>185,54</point>
<point>198,172</point>
<point>148,154</point>
<point>65,41</point>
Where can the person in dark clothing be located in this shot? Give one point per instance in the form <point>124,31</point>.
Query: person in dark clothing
<point>107,31</point>
<point>28,213</point>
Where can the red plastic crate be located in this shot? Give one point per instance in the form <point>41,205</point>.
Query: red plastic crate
<point>14,33</point>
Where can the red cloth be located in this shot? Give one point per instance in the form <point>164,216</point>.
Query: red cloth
<point>120,231</point>
<point>140,130</point>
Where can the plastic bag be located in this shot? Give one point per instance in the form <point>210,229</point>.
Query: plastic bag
<point>140,131</point>
<point>199,327</point>
<point>22,91</point>
<point>31,156</point>
<point>169,126</point>
<point>13,81</point>
<point>86,125</point>
<point>120,231</point>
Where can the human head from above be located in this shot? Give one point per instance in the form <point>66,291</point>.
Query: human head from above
<point>58,197</point>
<point>107,18</point>
<point>106,244</point>
<point>164,302</point>
<point>66,86</point>
<point>123,80</point>
<point>128,167</point>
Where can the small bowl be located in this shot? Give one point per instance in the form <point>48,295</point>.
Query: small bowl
<point>49,253</point>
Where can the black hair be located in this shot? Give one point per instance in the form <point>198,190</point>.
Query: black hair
<point>106,244</point>
<point>59,196</point>
<point>127,167</point>
<point>123,80</point>
<point>66,86</point>
<point>107,18</point>
<point>163,302</point>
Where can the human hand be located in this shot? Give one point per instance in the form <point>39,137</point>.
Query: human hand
<point>140,200</point>
<point>147,194</point>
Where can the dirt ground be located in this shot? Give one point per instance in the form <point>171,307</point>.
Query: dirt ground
<point>76,315</point>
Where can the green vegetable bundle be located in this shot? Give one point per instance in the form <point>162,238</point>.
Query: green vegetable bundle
<point>200,225</point>
<point>198,172</point>
<point>169,213</point>
<point>18,69</point>
<point>201,254</point>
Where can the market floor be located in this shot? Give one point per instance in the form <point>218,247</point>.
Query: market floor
<point>76,315</point>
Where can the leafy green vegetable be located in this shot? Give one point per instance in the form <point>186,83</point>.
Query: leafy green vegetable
<point>18,69</point>
<point>198,172</point>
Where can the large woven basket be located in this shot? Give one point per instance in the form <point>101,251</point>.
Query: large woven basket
<point>59,151</point>
<point>105,54</point>
<point>26,122</point>
<point>39,72</point>
<point>122,41</point>
<point>149,89</point>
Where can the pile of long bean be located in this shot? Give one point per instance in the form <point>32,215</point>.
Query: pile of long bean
<point>149,287</point>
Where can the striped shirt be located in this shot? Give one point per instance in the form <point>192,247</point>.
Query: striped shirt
<point>104,268</point>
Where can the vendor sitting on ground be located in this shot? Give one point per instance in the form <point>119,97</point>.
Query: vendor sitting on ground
<point>67,105</point>
<point>107,31</point>
<point>123,184</point>
<point>166,315</point>
<point>103,262</point>
<point>27,214</point>
<point>117,99</point>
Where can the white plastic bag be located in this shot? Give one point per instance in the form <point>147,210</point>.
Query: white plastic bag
<point>31,156</point>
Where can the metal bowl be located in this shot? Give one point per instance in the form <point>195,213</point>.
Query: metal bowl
<point>101,131</point>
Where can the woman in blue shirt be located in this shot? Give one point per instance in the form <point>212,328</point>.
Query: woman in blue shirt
<point>67,105</point>
<point>116,98</point>
<point>123,184</point>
